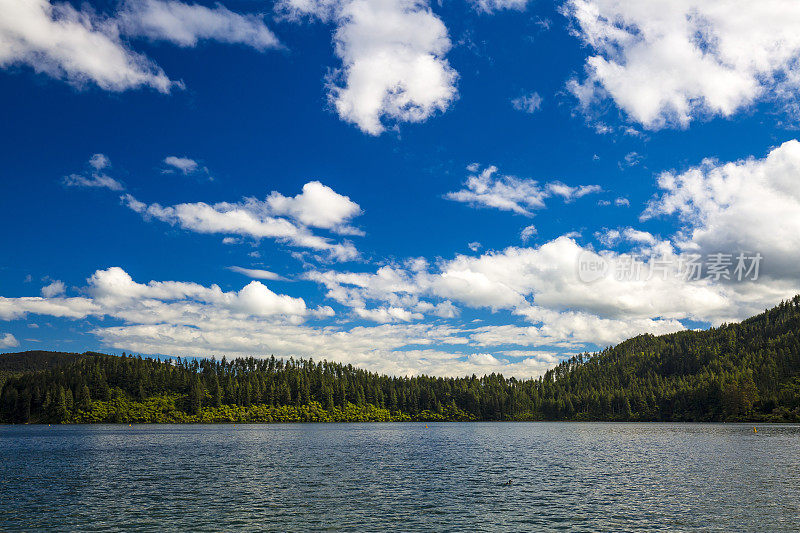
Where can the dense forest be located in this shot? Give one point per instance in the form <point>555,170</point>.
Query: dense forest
<point>748,371</point>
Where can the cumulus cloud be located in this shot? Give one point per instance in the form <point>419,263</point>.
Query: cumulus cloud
<point>317,206</point>
<point>183,164</point>
<point>751,205</point>
<point>668,63</point>
<point>548,276</point>
<point>571,330</point>
<point>13,308</point>
<point>79,46</point>
<point>540,286</point>
<point>566,312</point>
<point>538,292</point>
<point>8,341</point>
<point>187,24</point>
<point>527,103</point>
<point>631,159</point>
<point>490,6</point>
<point>393,59</point>
<point>508,193</point>
<point>186,166</point>
<point>83,46</point>
<point>354,289</point>
<point>543,285</point>
<point>56,288</point>
<point>96,176</point>
<point>256,273</point>
<point>388,314</point>
<point>614,236</point>
<point>570,193</point>
<point>400,289</point>
<point>527,232</point>
<point>170,317</point>
<point>116,292</point>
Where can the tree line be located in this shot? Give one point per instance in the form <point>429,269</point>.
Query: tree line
<point>736,372</point>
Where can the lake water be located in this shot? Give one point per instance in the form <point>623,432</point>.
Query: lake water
<point>379,477</point>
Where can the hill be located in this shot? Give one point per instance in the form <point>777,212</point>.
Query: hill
<point>748,371</point>
<point>32,361</point>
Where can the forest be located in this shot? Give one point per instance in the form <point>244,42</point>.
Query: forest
<point>748,371</point>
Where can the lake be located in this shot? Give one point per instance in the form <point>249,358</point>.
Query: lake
<point>401,476</point>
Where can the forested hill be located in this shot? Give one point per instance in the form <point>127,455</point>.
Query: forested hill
<point>737,372</point>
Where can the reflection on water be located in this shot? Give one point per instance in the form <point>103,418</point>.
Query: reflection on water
<point>569,476</point>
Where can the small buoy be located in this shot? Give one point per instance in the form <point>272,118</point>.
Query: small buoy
<point>755,430</point>
<point>426,426</point>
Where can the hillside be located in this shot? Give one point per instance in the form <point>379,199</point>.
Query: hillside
<point>748,371</point>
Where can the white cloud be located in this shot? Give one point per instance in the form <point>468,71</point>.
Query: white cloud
<point>84,47</point>
<point>751,205</point>
<point>400,289</point>
<point>528,103</point>
<point>95,177</point>
<point>484,359</point>
<point>474,246</point>
<point>56,288</point>
<point>631,159</point>
<point>183,164</point>
<point>613,237</point>
<point>490,6</point>
<point>78,46</point>
<point>8,341</point>
<point>508,193</point>
<point>571,193</point>
<point>622,202</point>
<point>116,294</point>
<point>527,232</point>
<point>393,59</point>
<point>542,284</point>
<point>255,273</point>
<point>571,330</point>
<point>505,192</point>
<point>539,285</point>
<point>13,308</point>
<point>388,314</point>
<point>185,24</point>
<point>318,205</point>
<point>168,317</point>
<point>668,63</point>
<point>99,161</point>
<point>548,275</point>
<point>531,282</point>
<point>388,284</point>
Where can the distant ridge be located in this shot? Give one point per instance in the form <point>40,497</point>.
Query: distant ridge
<point>749,371</point>
<point>34,360</point>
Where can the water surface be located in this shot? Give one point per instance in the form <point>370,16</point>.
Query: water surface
<point>450,476</point>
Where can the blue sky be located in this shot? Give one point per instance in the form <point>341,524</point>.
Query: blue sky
<point>370,169</point>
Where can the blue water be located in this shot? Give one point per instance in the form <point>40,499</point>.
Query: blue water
<point>378,477</point>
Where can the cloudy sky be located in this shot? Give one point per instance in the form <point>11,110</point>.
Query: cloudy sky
<point>449,188</point>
